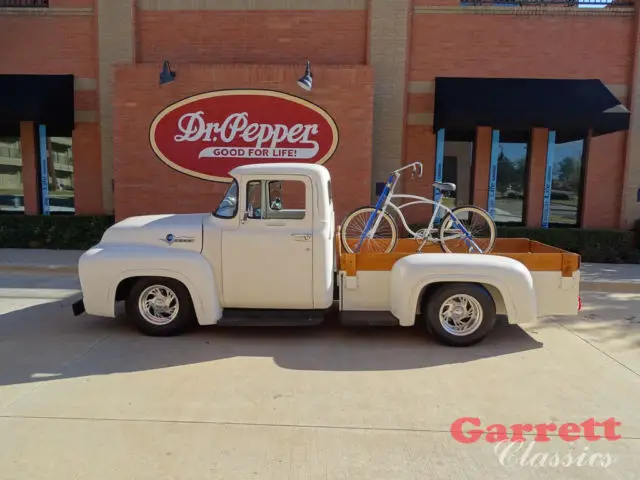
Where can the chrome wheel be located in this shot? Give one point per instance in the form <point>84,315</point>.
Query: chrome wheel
<point>158,305</point>
<point>460,315</point>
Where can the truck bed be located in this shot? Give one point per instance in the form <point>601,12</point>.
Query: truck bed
<point>555,273</point>
<point>536,256</point>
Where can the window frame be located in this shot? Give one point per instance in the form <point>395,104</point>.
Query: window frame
<point>527,172</point>
<point>586,144</point>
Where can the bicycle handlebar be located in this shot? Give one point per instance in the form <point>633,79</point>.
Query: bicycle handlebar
<point>414,166</point>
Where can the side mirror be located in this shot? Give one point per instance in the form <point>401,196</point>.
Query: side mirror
<point>276,204</point>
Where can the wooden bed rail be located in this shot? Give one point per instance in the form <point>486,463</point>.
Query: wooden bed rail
<point>536,256</point>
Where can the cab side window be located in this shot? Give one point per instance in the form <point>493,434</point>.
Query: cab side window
<point>286,199</point>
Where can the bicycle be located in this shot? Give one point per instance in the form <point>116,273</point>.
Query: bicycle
<point>378,220</point>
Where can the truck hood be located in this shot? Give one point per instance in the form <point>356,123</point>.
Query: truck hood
<point>181,231</point>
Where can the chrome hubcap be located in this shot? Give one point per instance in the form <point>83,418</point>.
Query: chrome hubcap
<point>460,315</point>
<point>158,305</point>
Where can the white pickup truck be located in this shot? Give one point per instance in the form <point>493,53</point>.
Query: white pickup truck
<point>270,255</point>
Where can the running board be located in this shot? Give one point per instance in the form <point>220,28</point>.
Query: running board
<point>248,317</point>
<point>357,318</point>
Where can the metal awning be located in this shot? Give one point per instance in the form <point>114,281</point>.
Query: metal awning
<point>571,107</point>
<point>47,99</point>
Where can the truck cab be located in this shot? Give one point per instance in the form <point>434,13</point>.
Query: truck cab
<point>273,236</point>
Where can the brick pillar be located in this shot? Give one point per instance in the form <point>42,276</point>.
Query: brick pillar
<point>481,167</point>
<point>388,51</point>
<point>116,41</point>
<point>537,167</point>
<point>29,167</point>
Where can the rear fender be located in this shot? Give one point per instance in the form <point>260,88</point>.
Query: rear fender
<point>412,274</point>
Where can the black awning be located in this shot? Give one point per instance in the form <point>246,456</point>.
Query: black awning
<point>47,99</point>
<point>571,107</point>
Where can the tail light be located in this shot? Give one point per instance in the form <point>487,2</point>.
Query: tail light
<point>579,303</point>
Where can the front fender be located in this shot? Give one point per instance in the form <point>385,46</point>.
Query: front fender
<point>411,274</point>
<point>103,267</point>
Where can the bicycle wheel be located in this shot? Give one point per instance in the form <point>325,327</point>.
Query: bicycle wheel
<point>477,223</point>
<point>383,241</point>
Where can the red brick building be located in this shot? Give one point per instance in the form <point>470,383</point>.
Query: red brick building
<point>508,101</point>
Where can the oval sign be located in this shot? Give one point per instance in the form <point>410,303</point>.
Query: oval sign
<point>208,135</point>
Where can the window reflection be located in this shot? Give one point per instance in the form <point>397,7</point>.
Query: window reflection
<point>229,204</point>
<point>457,167</point>
<point>511,179</point>
<point>60,172</point>
<point>11,185</point>
<point>566,181</point>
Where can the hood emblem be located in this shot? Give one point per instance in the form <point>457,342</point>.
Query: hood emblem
<point>171,239</point>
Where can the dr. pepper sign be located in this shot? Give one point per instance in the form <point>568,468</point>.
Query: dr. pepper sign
<point>208,135</point>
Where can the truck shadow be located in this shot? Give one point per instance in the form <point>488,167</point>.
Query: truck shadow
<point>46,342</point>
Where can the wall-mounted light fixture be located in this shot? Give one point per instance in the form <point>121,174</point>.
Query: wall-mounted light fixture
<point>306,81</point>
<point>166,75</point>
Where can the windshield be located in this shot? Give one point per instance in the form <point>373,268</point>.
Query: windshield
<point>229,205</point>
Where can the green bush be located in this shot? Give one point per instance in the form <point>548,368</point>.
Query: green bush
<point>58,232</point>
<point>593,245</point>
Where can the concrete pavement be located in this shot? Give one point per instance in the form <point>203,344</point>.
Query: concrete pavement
<point>595,276</point>
<point>86,397</point>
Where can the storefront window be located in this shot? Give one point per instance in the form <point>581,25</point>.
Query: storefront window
<point>566,182</point>
<point>11,184</point>
<point>509,167</point>
<point>457,167</point>
<point>60,173</point>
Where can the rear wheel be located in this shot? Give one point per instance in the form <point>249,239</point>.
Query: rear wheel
<point>383,241</point>
<point>459,314</point>
<point>476,222</point>
<point>159,306</point>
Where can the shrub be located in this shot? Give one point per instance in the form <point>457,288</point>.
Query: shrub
<point>58,232</point>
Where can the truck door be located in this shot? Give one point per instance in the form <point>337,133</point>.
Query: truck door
<point>267,262</point>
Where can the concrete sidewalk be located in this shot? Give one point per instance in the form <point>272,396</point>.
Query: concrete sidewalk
<point>603,277</point>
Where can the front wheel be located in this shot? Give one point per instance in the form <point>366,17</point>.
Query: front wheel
<point>459,314</point>
<point>159,306</point>
<point>467,229</point>
<point>383,240</point>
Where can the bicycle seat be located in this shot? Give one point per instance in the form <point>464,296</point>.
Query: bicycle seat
<point>445,187</point>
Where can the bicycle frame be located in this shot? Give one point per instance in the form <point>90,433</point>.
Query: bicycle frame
<point>386,200</point>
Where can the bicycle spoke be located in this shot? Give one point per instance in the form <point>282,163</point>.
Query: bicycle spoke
<point>378,239</point>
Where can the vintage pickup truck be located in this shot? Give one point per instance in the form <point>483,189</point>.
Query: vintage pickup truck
<point>270,255</point>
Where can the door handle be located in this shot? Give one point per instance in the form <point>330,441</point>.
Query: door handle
<point>301,237</point>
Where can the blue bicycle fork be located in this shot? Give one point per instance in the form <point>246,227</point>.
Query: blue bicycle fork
<point>467,235</point>
<point>374,215</point>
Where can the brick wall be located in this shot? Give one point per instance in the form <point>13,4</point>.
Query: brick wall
<point>145,185</point>
<point>61,40</point>
<point>261,37</point>
<point>201,37</point>
<point>552,45</point>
